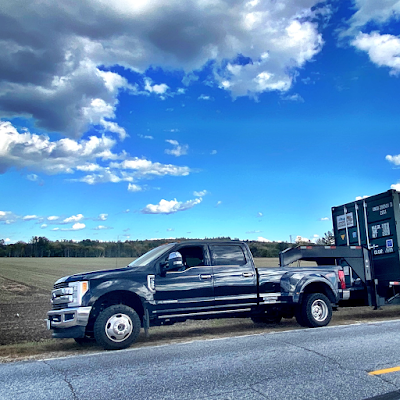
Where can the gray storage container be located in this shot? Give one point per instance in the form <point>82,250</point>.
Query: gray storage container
<point>372,222</point>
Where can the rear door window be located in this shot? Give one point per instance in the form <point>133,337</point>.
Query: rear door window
<point>227,255</point>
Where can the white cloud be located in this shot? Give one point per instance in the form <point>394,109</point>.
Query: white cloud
<point>78,226</point>
<point>200,194</point>
<point>146,137</point>
<point>294,97</point>
<point>20,150</point>
<point>261,239</point>
<point>134,188</point>
<point>361,197</point>
<point>371,10</point>
<point>32,177</point>
<point>213,152</point>
<point>395,187</point>
<point>178,150</point>
<point>324,219</point>
<point>67,156</point>
<point>301,239</point>
<point>30,217</point>
<point>102,217</point>
<point>101,227</point>
<point>7,217</point>
<point>43,226</point>
<point>383,50</point>
<point>259,214</point>
<point>394,159</point>
<point>55,74</point>
<point>204,97</point>
<point>170,207</point>
<point>75,227</point>
<point>53,218</point>
<point>218,203</point>
<point>142,168</point>
<point>160,89</point>
<point>73,218</point>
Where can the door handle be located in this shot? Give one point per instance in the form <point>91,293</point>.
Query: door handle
<point>207,276</point>
<point>247,274</point>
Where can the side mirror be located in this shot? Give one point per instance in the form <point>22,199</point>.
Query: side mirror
<point>175,260</point>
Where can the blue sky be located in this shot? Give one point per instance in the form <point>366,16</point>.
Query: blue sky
<point>204,118</point>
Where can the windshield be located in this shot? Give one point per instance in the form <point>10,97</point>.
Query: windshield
<point>151,255</point>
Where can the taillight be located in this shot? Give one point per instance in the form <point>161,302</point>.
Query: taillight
<point>341,279</point>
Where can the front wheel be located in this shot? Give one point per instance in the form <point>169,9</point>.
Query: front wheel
<point>315,311</point>
<point>117,327</point>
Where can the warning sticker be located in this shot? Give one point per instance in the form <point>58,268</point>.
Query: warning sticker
<point>341,221</point>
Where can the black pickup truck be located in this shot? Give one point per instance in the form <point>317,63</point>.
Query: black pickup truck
<point>189,280</point>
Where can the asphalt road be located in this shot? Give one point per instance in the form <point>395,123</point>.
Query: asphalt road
<point>325,363</point>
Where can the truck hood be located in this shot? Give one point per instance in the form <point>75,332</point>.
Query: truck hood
<point>105,273</point>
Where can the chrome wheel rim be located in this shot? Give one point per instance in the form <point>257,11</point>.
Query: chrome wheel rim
<point>319,310</point>
<point>119,327</point>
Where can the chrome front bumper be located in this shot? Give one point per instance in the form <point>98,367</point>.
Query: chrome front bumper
<point>68,317</point>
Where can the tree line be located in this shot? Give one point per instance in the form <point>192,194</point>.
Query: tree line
<point>40,246</point>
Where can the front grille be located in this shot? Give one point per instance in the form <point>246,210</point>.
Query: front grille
<point>61,285</point>
<point>60,306</point>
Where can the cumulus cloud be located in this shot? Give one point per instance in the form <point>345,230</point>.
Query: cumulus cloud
<point>382,48</point>
<point>178,150</point>
<point>93,157</point>
<point>393,159</point>
<point>378,12</point>
<point>395,187</point>
<point>38,152</point>
<point>73,218</point>
<point>7,217</point>
<point>30,217</point>
<point>134,188</point>
<point>101,228</point>
<point>61,75</point>
<point>53,218</point>
<point>300,239</point>
<point>170,207</point>
<point>75,227</point>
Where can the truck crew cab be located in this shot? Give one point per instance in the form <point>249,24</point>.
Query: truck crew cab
<point>189,280</point>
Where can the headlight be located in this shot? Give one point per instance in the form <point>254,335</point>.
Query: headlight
<point>79,289</point>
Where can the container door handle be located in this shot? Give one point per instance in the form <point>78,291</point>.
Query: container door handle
<point>206,276</point>
<point>247,274</point>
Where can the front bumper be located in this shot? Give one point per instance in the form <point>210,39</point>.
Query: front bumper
<point>68,320</point>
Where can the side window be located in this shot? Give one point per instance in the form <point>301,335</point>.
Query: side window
<point>192,256</point>
<point>227,255</point>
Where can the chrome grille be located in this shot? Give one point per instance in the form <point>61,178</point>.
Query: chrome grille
<point>61,285</point>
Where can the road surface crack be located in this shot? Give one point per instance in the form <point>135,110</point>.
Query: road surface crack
<point>337,363</point>
<point>64,378</point>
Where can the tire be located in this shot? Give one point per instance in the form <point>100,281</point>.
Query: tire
<point>315,311</point>
<point>272,318</point>
<point>117,327</point>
